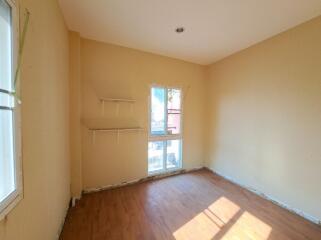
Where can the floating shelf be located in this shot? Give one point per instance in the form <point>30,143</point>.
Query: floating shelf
<point>111,124</point>
<point>117,130</point>
<point>117,100</point>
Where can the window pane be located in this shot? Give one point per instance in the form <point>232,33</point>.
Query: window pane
<point>155,156</point>
<point>158,111</point>
<point>7,176</point>
<point>173,154</point>
<point>6,100</point>
<point>174,99</point>
<point>174,120</point>
<point>5,46</point>
<point>174,111</point>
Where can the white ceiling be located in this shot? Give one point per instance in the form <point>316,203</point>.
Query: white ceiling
<point>214,28</point>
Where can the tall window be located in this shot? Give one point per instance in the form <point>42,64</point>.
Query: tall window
<point>10,179</point>
<point>165,135</point>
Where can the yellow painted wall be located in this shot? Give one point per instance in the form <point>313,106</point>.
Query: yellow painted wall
<point>118,72</point>
<point>265,117</point>
<point>45,123</point>
<point>75,115</point>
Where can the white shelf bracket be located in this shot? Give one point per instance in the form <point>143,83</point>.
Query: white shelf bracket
<point>132,108</point>
<point>93,136</point>
<point>117,109</point>
<point>102,107</point>
<point>117,136</point>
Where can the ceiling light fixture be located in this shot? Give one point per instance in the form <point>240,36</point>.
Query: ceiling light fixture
<point>179,30</point>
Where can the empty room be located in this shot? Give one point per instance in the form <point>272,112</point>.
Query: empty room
<point>160,119</point>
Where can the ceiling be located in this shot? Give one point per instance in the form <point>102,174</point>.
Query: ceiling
<point>214,29</point>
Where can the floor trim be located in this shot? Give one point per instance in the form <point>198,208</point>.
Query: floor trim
<point>269,198</point>
<point>144,179</point>
<point>62,224</point>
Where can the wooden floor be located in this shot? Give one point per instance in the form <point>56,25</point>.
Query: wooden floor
<point>198,205</point>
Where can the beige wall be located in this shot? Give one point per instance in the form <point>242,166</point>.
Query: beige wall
<point>75,115</point>
<point>118,72</point>
<point>45,126</point>
<point>265,117</point>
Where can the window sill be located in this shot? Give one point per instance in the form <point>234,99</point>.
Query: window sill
<point>164,172</point>
<point>13,203</point>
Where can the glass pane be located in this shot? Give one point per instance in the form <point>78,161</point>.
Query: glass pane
<point>6,100</point>
<point>174,111</point>
<point>174,156</point>
<point>174,99</point>
<point>5,46</point>
<point>158,111</point>
<point>7,176</point>
<point>155,156</point>
<point>174,122</point>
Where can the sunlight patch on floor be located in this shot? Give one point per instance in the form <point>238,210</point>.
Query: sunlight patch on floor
<point>224,209</point>
<point>209,222</point>
<point>223,219</point>
<point>200,227</point>
<point>248,227</point>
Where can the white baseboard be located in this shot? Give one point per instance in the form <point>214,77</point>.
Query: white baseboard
<point>269,198</point>
<point>74,200</point>
<point>62,223</point>
<point>144,179</point>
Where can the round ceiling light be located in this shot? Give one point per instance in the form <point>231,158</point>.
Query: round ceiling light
<point>179,30</point>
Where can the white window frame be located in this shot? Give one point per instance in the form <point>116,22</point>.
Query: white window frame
<point>164,138</point>
<point>16,196</point>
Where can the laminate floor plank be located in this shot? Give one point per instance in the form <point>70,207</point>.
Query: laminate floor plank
<point>198,205</point>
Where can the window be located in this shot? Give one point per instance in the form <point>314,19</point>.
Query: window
<point>10,174</point>
<point>165,137</point>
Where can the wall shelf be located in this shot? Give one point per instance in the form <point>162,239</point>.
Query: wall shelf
<point>117,130</point>
<point>115,100</point>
